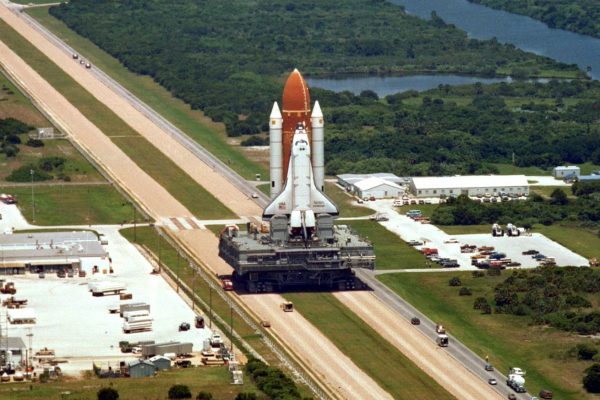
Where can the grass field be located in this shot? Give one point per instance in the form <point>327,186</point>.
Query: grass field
<point>546,191</point>
<point>212,379</point>
<point>507,340</point>
<point>580,240</point>
<point>192,122</point>
<point>14,104</point>
<point>391,251</point>
<point>73,204</point>
<point>368,350</point>
<point>150,159</point>
<point>345,203</point>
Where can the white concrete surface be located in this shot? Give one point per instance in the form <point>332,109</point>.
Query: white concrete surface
<point>12,218</point>
<point>79,327</point>
<point>433,236</point>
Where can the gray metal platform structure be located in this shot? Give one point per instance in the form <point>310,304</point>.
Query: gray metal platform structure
<point>279,260</point>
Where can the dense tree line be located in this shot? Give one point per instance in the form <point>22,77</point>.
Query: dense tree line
<point>464,211</point>
<point>10,129</point>
<point>582,16</point>
<point>558,296</point>
<point>229,59</point>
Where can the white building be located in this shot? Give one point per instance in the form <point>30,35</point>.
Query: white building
<point>378,188</point>
<point>51,251</point>
<point>562,171</point>
<point>473,185</point>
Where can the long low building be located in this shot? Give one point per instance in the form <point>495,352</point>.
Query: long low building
<point>51,251</point>
<point>472,185</point>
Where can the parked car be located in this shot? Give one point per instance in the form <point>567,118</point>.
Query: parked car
<point>451,240</point>
<point>415,321</point>
<point>530,252</point>
<point>415,243</point>
<point>61,273</point>
<point>184,326</point>
<point>489,367</point>
<point>538,256</point>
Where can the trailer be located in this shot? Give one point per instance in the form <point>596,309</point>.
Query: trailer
<point>137,326</point>
<point>160,349</point>
<point>123,308</point>
<point>104,288</point>
<point>21,316</point>
<point>132,315</point>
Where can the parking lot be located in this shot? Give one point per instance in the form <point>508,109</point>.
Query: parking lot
<point>434,237</point>
<point>79,327</point>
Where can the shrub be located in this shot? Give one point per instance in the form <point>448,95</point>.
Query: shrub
<point>478,274</point>
<point>464,291</point>
<point>479,303</point>
<point>255,141</point>
<point>246,396</point>
<point>454,281</point>
<point>35,143</point>
<point>108,393</point>
<point>204,396</point>
<point>486,309</point>
<point>180,392</point>
<point>23,174</point>
<point>494,272</point>
<point>585,351</point>
<point>591,380</point>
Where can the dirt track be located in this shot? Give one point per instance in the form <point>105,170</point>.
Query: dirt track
<point>204,174</point>
<point>425,354</point>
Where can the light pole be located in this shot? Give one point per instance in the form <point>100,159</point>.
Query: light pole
<point>210,305</point>
<point>32,172</point>
<point>134,224</point>
<point>27,361</point>
<point>231,326</point>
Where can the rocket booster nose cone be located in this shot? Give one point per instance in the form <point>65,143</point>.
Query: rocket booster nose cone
<point>275,113</point>
<point>317,113</point>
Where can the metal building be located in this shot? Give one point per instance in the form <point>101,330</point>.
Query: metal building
<point>564,171</point>
<point>378,188</point>
<point>161,362</point>
<point>473,185</point>
<point>141,369</point>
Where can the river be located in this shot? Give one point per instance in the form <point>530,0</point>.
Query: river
<point>481,23</point>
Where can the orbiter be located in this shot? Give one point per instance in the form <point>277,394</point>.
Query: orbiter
<point>297,159</point>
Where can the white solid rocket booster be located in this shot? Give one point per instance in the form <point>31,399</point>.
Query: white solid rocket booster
<point>318,157</point>
<point>275,142</point>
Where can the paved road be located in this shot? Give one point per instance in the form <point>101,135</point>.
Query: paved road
<point>459,351</point>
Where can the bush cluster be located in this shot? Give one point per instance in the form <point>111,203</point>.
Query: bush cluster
<point>272,381</point>
<point>10,129</point>
<point>45,169</point>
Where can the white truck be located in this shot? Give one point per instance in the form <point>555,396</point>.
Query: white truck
<point>103,288</point>
<point>497,230</point>
<point>512,230</point>
<point>516,380</point>
<point>442,340</point>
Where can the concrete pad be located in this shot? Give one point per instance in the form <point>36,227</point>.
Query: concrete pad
<point>79,327</point>
<point>12,218</point>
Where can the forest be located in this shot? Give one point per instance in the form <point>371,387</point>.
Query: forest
<point>582,16</point>
<point>230,60</point>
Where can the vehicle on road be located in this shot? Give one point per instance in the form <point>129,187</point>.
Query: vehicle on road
<point>227,284</point>
<point>546,394</point>
<point>516,382</point>
<point>440,329</point>
<point>492,381</point>
<point>451,240</point>
<point>88,65</point>
<point>254,195</point>
<point>442,340</point>
<point>379,217</point>
<point>415,321</point>
<point>287,306</point>
<point>511,396</point>
<point>489,367</point>
<point>75,56</point>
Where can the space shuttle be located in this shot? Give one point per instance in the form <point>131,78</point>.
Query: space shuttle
<point>297,165</point>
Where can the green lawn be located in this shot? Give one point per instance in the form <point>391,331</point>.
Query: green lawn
<point>192,122</point>
<point>216,380</point>
<point>14,104</point>
<point>580,240</point>
<point>391,251</point>
<point>149,158</point>
<point>368,350</point>
<point>507,340</point>
<point>265,188</point>
<point>345,203</point>
<point>546,191</point>
<point>73,204</point>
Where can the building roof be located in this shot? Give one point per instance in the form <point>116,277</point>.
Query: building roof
<point>589,177</point>
<point>138,362</point>
<point>11,343</point>
<point>159,358</point>
<point>353,178</point>
<point>567,167</point>
<point>373,182</point>
<point>471,181</point>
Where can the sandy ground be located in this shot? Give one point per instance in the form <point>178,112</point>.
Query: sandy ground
<point>325,359</point>
<point>425,354</point>
<point>78,325</point>
<point>202,173</point>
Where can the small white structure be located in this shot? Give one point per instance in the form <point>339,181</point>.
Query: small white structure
<point>378,188</point>
<point>563,171</point>
<point>472,185</point>
<point>347,181</point>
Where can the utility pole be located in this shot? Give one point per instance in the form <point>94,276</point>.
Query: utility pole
<point>231,326</point>
<point>32,172</point>
<point>134,224</point>
<point>177,272</point>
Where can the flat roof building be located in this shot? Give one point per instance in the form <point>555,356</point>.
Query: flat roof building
<point>378,188</point>
<point>472,185</point>
<point>50,251</point>
<point>563,171</point>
